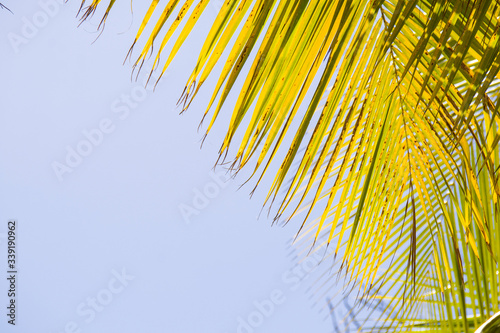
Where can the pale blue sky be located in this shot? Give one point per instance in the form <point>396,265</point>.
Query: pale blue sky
<point>111,229</point>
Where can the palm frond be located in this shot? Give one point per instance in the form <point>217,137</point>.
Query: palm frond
<point>388,114</point>
<point>2,6</point>
<point>457,285</point>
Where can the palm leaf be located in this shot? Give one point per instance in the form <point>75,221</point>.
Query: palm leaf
<point>456,288</point>
<point>387,115</point>
<point>2,6</point>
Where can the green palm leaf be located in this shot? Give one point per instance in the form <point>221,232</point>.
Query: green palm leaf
<point>387,115</point>
<point>472,292</point>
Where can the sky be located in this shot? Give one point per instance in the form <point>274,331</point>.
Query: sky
<point>122,225</point>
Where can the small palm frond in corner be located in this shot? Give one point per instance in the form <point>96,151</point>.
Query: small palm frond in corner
<point>2,6</point>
